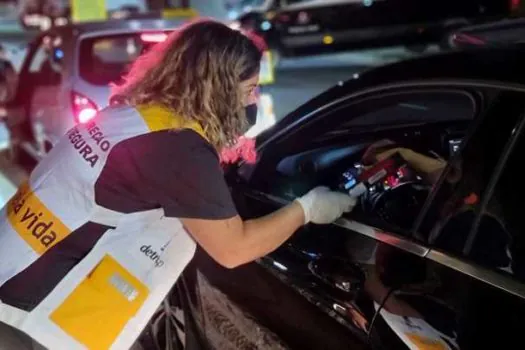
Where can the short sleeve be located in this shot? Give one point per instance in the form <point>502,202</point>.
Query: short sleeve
<point>195,184</point>
<point>182,173</point>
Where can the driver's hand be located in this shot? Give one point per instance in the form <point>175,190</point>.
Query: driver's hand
<point>322,206</point>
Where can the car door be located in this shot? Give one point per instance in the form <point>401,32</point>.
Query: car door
<point>45,106</point>
<point>307,293</point>
<point>18,108</point>
<point>337,258</point>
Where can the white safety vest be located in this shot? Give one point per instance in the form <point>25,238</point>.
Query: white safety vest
<point>107,299</point>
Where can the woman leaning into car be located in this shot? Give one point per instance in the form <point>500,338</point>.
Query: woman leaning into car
<point>96,238</point>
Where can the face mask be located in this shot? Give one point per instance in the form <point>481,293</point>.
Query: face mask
<point>251,114</point>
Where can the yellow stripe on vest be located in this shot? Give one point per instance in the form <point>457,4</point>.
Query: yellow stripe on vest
<point>34,222</point>
<point>159,118</point>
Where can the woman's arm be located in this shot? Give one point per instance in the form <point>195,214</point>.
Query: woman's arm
<point>232,242</point>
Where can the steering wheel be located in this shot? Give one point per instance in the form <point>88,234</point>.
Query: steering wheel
<point>399,205</point>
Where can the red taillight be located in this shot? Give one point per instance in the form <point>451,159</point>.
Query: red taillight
<point>515,5</point>
<point>153,37</point>
<point>83,108</point>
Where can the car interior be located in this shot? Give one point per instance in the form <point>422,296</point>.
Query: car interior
<point>399,190</point>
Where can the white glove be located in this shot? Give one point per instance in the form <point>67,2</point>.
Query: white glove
<point>322,206</point>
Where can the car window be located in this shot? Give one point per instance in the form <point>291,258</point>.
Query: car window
<point>420,132</point>
<point>456,205</point>
<point>104,59</point>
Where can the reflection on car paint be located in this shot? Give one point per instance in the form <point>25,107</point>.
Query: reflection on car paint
<point>335,309</point>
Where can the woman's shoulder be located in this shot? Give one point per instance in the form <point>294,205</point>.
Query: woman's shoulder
<point>171,145</point>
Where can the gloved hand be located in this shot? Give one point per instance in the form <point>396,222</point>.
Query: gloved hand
<point>322,206</point>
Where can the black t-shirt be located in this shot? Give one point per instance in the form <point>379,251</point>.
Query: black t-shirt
<point>178,171</point>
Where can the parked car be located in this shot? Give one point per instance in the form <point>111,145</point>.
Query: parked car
<point>297,27</point>
<point>500,33</point>
<point>66,75</point>
<point>433,256</point>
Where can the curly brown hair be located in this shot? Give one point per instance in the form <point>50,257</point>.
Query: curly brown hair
<point>196,73</point>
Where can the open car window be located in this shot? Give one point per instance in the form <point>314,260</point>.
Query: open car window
<point>418,137</point>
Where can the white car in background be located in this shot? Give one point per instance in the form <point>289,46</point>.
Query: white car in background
<point>65,79</point>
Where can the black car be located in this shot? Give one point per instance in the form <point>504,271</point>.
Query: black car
<point>428,259</point>
<point>296,27</point>
<point>506,32</point>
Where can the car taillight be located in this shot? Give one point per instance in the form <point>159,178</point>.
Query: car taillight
<point>153,37</point>
<point>83,108</point>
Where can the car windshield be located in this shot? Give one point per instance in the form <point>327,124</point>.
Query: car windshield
<point>104,59</point>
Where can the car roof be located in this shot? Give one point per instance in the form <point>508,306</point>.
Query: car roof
<point>502,65</point>
<point>123,25</point>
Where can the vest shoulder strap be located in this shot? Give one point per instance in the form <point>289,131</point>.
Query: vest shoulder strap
<point>159,118</point>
